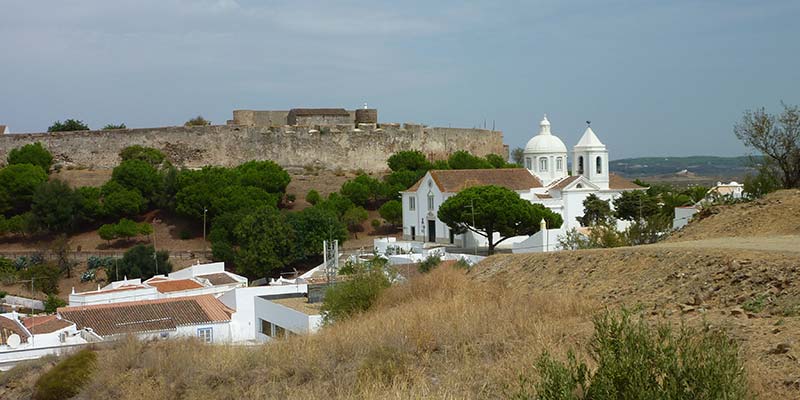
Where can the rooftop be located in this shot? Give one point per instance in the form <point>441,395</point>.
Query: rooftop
<point>10,327</point>
<point>298,304</point>
<point>45,324</point>
<point>455,180</point>
<point>147,315</point>
<point>177,285</point>
<point>220,278</point>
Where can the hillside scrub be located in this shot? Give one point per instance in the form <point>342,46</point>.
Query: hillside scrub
<point>66,378</point>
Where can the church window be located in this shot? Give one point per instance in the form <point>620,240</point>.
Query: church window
<point>559,164</point>
<point>543,164</point>
<point>430,200</point>
<point>579,186</point>
<point>528,163</point>
<point>411,205</point>
<point>580,165</point>
<point>599,165</point>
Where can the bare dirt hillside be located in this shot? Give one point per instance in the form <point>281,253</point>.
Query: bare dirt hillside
<point>753,295</point>
<point>776,214</point>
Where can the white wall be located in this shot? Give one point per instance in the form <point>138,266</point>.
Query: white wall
<point>198,269</point>
<point>243,321</point>
<point>542,241</point>
<point>88,298</point>
<point>290,319</point>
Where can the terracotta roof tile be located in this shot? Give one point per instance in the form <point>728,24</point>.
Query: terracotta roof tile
<point>219,278</point>
<point>147,315</point>
<point>176,285</point>
<point>617,182</point>
<point>565,182</point>
<point>45,323</point>
<point>9,327</point>
<point>455,180</point>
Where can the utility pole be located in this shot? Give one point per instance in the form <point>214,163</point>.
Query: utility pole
<point>205,210</point>
<point>472,208</point>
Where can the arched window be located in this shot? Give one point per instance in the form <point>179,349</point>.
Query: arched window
<point>430,201</point>
<point>559,164</point>
<point>528,163</point>
<point>543,164</point>
<point>580,165</point>
<point>599,163</point>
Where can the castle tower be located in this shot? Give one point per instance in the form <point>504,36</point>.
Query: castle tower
<point>590,158</point>
<point>546,155</point>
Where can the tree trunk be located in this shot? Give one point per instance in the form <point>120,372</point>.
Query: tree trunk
<point>490,237</point>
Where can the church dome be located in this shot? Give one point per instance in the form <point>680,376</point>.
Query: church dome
<point>545,142</point>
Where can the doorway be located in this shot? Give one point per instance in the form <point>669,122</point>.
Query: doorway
<point>432,230</point>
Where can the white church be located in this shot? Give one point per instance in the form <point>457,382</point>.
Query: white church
<point>544,180</point>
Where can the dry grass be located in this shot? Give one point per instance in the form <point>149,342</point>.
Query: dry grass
<point>439,336</point>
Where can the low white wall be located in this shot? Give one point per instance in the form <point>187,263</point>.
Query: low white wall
<point>290,319</point>
<point>24,302</point>
<point>243,321</point>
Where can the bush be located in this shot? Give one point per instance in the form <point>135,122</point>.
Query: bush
<point>52,303</point>
<point>152,156</point>
<point>392,212</point>
<point>34,154</point>
<point>185,234</point>
<point>45,277</point>
<point>197,121</point>
<point>66,378</point>
<point>140,262</point>
<point>313,197</point>
<point>354,295</point>
<point>429,264</point>
<point>636,361</point>
<point>111,127</point>
<point>68,126</point>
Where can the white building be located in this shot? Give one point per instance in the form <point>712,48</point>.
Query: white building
<point>544,180</point>
<point>26,338</point>
<point>732,190</point>
<point>4,129</point>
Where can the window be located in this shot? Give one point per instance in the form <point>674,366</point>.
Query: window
<point>412,203</point>
<point>272,330</point>
<point>206,335</point>
<point>264,327</point>
<point>580,165</point>
<point>430,201</point>
<point>528,163</point>
<point>543,164</point>
<point>599,165</point>
<point>559,164</point>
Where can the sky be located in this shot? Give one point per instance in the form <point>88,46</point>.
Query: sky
<point>656,78</point>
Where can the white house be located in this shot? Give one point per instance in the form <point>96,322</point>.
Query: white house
<point>26,338</point>
<point>544,180</point>
<point>732,190</point>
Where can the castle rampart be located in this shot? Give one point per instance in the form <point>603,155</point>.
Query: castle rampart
<point>366,146</point>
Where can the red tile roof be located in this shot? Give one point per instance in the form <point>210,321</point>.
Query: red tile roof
<point>147,315</point>
<point>9,327</point>
<point>456,180</point>
<point>176,285</point>
<point>45,324</point>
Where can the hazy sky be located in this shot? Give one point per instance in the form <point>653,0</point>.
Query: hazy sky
<point>655,77</point>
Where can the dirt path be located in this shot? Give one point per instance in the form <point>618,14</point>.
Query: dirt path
<point>785,243</point>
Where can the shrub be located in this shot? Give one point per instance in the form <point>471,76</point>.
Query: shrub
<point>354,295</point>
<point>33,153</point>
<point>197,121</point>
<point>392,212</point>
<point>185,234</point>
<point>375,224</point>
<point>111,127</point>
<point>68,126</point>
<point>52,303</point>
<point>313,197</point>
<point>66,378</point>
<point>636,361</point>
<point>45,277</point>
<point>382,364</point>
<point>429,264</point>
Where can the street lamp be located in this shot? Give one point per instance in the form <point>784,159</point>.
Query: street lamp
<point>155,253</point>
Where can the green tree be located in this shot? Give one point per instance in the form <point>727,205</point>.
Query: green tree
<point>68,126</point>
<point>107,232</point>
<point>357,192</point>
<point>89,207</point>
<point>19,181</point>
<point>55,207</point>
<point>111,127</point>
<point>670,200</point>
<point>777,137</point>
<point>266,243</point>
<point>464,160</point>
<point>313,197</point>
<point>197,121</point>
<point>392,212</point>
<point>498,162</point>
<point>45,277</point>
<point>314,225</point>
<point>403,179</point>
<point>496,210</point>
<point>139,175</point>
<point>635,205</point>
<point>518,156</point>
<point>595,211</point>
<point>52,303</point>
<point>141,261</point>
<point>152,156</point>
<point>265,175</point>
<point>763,182</point>
<point>119,201</point>
<point>696,193</point>
<point>33,153</point>
<point>354,218</point>
<point>336,203</point>
<point>408,160</point>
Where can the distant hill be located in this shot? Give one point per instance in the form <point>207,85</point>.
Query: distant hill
<point>723,167</point>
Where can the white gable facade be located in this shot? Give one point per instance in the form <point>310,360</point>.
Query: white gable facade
<point>546,160</point>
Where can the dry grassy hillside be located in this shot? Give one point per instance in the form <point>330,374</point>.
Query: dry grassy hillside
<point>775,214</point>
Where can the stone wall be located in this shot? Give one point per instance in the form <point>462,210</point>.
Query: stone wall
<point>290,146</point>
<point>259,118</point>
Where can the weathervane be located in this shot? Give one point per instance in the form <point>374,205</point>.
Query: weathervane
<point>588,123</point>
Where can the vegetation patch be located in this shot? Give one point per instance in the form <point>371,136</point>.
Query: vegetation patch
<point>66,378</point>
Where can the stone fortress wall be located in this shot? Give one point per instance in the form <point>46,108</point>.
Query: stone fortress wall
<point>259,135</point>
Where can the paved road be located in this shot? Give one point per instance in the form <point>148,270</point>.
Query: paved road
<point>764,243</point>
